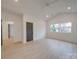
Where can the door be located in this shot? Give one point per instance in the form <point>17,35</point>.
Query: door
<point>29,31</point>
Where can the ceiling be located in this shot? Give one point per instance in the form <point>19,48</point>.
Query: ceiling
<point>39,8</point>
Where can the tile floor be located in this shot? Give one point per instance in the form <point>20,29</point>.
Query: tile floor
<point>40,49</point>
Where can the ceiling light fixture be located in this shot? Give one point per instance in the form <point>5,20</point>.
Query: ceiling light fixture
<point>69,8</point>
<point>47,16</point>
<point>16,0</point>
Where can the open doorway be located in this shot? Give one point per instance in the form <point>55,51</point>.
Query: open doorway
<point>7,30</point>
<point>1,34</point>
<point>10,31</point>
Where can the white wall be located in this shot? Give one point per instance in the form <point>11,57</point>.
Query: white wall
<point>62,18</point>
<point>38,28</point>
<point>17,26</point>
<point>5,30</point>
<point>20,26</point>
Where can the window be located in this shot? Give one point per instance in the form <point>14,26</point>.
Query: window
<point>66,27</point>
<point>55,27</point>
<point>63,27</point>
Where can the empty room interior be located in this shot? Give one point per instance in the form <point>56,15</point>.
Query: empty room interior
<point>38,29</point>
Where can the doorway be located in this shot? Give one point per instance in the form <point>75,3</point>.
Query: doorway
<point>29,31</point>
<point>1,34</point>
<point>10,31</point>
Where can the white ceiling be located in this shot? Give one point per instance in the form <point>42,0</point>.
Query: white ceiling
<point>39,8</point>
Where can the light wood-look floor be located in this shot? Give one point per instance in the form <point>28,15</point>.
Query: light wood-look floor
<point>40,49</point>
